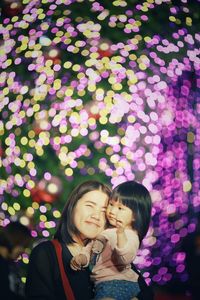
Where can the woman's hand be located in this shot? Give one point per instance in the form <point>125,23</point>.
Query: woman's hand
<point>78,262</point>
<point>99,244</point>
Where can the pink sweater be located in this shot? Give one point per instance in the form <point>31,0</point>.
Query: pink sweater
<point>115,263</point>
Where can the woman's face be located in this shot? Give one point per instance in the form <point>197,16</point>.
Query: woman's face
<point>89,214</point>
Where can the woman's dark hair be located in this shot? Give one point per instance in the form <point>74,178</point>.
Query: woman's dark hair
<point>135,196</point>
<point>66,228</point>
<point>15,234</point>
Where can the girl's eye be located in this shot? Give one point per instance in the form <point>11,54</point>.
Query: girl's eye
<point>121,208</point>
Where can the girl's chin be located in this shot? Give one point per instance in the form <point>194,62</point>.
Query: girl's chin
<point>112,222</point>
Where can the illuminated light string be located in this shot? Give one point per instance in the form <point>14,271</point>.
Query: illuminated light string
<point>119,107</point>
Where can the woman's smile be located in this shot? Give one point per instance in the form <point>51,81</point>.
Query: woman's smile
<point>95,223</point>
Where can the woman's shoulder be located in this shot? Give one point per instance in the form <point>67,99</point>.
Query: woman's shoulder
<point>43,248</point>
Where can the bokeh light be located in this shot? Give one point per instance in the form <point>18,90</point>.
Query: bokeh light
<point>91,89</point>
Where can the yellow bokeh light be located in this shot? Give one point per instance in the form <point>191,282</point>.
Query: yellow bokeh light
<point>68,172</point>
<point>187,185</point>
<point>11,211</point>
<point>32,143</point>
<point>26,193</point>
<point>16,206</point>
<point>25,261</point>
<point>56,214</point>
<point>69,91</point>
<point>30,211</point>
<point>35,205</point>
<point>189,21</point>
<point>103,120</point>
<point>39,151</point>
<point>190,137</point>
<point>31,184</point>
<point>43,218</point>
<point>24,141</point>
<point>172,19</point>
<point>67,65</point>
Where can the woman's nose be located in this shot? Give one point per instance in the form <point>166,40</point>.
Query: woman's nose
<point>96,214</point>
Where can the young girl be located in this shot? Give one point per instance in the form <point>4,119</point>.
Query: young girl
<point>111,254</point>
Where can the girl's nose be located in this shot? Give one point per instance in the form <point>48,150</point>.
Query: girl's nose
<point>113,210</point>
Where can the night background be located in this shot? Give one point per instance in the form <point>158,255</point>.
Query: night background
<point>106,90</point>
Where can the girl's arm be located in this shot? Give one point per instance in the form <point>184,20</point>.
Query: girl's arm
<point>121,237</point>
<point>127,245</point>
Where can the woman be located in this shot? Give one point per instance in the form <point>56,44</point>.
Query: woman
<point>83,218</point>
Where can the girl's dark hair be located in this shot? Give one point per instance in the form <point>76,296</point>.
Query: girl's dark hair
<point>135,196</point>
<point>66,228</point>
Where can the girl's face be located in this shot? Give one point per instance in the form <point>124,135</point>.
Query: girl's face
<point>119,214</point>
<point>89,214</point>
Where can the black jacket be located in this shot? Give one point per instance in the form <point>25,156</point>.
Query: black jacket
<point>44,280</point>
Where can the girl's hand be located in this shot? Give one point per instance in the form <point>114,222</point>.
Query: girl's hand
<point>120,227</point>
<point>78,261</point>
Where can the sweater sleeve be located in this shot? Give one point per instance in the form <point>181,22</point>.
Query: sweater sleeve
<point>127,254</point>
<point>40,282</point>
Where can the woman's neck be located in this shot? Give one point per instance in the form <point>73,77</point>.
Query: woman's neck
<point>80,241</point>
<point>76,247</point>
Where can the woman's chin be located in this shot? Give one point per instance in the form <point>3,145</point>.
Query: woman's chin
<point>91,231</point>
<point>92,235</point>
